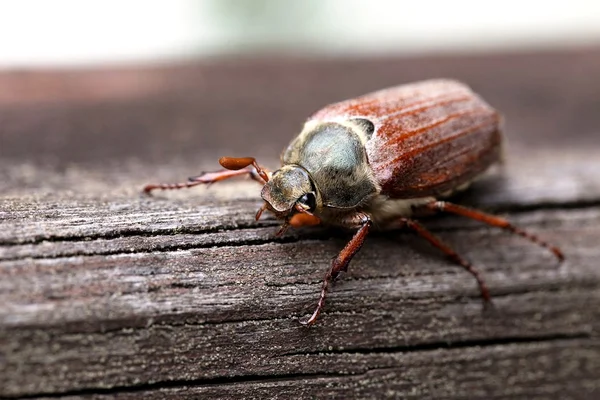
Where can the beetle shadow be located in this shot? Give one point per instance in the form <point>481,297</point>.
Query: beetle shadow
<point>490,191</point>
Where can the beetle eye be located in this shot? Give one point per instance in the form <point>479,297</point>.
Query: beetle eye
<point>309,200</point>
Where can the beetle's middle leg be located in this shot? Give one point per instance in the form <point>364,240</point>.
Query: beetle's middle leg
<point>340,263</point>
<point>452,255</point>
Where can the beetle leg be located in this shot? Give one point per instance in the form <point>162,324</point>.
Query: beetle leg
<point>453,255</point>
<point>340,263</point>
<point>206,178</point>
<point>493,221</point>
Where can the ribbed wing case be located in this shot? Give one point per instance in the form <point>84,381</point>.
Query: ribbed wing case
<point>430,137</point>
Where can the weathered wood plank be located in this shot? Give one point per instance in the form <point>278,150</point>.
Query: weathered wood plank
<point>568,367</point>
<point>105,293</point>
<point>176,307</point>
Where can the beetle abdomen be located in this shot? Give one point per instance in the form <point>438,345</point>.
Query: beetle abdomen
<point>430,137</point>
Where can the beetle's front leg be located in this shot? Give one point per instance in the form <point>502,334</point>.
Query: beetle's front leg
<point>340,263</point>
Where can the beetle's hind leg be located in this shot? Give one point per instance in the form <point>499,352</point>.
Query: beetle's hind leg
<point>492,220</point>
<point>206,178</point>
<point>452,255</point>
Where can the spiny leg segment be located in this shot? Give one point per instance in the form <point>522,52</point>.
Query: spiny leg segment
<point>340,263</point>
<point>492,220</point>
<point>452,255</point>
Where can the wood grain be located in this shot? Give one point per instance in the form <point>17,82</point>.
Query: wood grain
<point>105,293</point>
<point>438,373</point>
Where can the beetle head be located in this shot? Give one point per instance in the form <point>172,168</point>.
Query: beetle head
<point>290,188</point>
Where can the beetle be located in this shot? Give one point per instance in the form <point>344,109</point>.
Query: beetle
<point>380,161</point>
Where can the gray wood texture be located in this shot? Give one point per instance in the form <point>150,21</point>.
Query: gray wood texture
<point>106,293</point>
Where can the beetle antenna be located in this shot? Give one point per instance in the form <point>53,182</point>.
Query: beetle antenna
<point>236,163</point>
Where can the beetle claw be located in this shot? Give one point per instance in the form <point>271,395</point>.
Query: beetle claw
<point>284,227</point>
<point>489,309</point>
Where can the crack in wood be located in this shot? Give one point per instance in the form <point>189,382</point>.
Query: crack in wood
<point>241,226</point>
<point>248,379</point>
<point>447,345</point>
<point>190,239</point>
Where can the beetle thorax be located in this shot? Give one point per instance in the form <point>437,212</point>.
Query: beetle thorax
<point>333,155</point>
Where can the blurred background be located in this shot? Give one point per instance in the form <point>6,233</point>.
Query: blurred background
<point>154,89</point>
<point>36,33</point>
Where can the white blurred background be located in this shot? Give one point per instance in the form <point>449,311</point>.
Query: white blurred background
<point>42,33</point>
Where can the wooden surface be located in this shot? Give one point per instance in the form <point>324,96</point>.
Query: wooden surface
<point>105,293</point>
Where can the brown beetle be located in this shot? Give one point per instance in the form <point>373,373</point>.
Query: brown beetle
<point>378,161</point>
